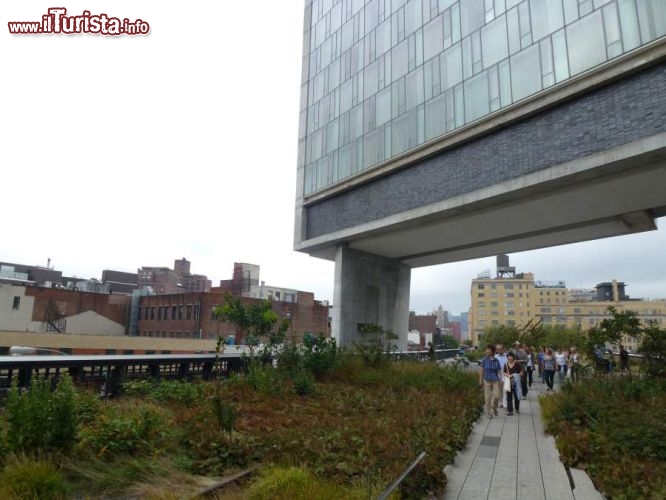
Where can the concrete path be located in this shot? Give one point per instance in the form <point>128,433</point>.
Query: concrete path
<point>511,457</point>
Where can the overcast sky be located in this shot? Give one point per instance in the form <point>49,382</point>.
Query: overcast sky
<point>119,152</point>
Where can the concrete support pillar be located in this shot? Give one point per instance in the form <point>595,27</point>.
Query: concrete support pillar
<point>369,289</point>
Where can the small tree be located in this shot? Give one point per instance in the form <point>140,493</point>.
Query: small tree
<point>653,349</point>
<point>610,331</point>
<point>257,321</point>
<point>376,345</point>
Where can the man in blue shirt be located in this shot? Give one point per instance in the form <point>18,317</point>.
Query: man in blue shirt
<point>490,380</point>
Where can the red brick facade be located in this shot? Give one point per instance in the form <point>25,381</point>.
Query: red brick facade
<point>53,303</point>
<point>189,315</point>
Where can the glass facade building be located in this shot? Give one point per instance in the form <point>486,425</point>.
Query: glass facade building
<point>382,77</point>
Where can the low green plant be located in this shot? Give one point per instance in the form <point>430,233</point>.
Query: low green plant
<point>291,483</point>
<point>224,410</point>
<point>304,383</point>
<point>653,349</point>
<point>320,355</point>
<point>42,419</point>
<point>613,428</point>
<point>376,345</point>
<point>137,430</point>
<point>24,477</point>
<point>263,378</point>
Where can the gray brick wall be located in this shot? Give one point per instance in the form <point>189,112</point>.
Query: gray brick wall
<point>624,111</point>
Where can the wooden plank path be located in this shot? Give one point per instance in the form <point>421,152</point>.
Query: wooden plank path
<point>511,457</point>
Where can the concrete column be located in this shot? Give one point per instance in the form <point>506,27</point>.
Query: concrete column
<point>369,289</point>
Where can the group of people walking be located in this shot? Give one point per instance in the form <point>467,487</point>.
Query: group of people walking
<point>506,377</point>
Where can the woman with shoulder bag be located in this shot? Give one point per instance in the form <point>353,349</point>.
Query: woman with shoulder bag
<point>514,371</point>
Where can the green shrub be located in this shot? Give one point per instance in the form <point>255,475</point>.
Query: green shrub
<point>165,391</point>
<point>41,419</point>
<point>263,378</point>
<point>292,483</point>
<point>320,355</point>
<point>27,478</point>
<point>653,349</point>
<point>304,383</point>
<point>289,359</point>
<point>125,430</point>
<point>613,427</point>
<point>225,411</point>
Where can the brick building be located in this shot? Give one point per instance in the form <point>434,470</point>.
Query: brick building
<point>190,315</point>
<point>37,309</point>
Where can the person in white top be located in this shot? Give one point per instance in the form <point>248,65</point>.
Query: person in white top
<point>561,361</point>
<point>501,357</point>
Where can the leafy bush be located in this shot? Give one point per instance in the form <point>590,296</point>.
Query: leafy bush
<point>263,378</point>
<point>612,427</point>
<point>292,482</point>
<point>320,355</point>
<point>165,391</point>
<point>119,430</point>
<point>42,419</point>
<point>653,349</point>
<point>375,347</point>
<point>24,478</point>
<point>304,383</point>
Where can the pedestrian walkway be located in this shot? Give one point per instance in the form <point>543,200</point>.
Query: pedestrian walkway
<point>511,457</point>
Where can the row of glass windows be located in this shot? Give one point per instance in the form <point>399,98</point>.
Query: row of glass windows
<point>160,313</point>
<point>172,334</point>
<point>371,97</point>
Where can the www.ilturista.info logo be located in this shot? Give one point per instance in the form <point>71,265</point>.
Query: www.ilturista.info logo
<point>56,21</point>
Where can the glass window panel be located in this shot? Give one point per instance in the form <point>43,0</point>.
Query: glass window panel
<point>435,113</point>
<point>383,37</point>
<point>547,17</point>
<point>505,83</point>
<point>525,25</point>
<point>432,38</point>
<point>513,29</point>
<point>373,148</point>
<point>420,125</point>
<point>651,18</point>
<point>400,133</point>
<point>414,88</point>
<point>336,17</point>
<point>322,173</point>
<point>476,52</point>
<point>332,137</point>
<point>418,37</point>
<point>476,97</point>
<point>493,42</point>
<point>383,106</point>
<point>459,104</point>
<point>560,60</point>
<point>612,28</point>
<point>345,161</point>
<point>371,15</point>
<point>472,16</point>
<point>525,73</point>
<point>547,69</point>
<point>467,57</point>
<point>399,61</point>
<point>413,18</point>
<point>445,4</point>
<point>451,67</point>
<point>631,35</point>
<point>310,182</point>
<point>346,97</point>
<point>500,7</point>
<point>570,11</point>
<point>370,80</point>
<point>356,122</point>
<point>585,42</point>
<point>585,7</point>
<point>455,23</point>
<point>493,88</point>
<point>599,3</point>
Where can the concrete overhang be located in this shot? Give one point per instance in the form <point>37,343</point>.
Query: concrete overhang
<point>620,191</point>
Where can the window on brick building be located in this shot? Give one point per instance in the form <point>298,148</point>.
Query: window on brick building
<point>180,312</point>
<point>189,311</point>
<point>17,303</point>
<point>147,312</point>
<point>196,311</point>
<point>159,313</point>
<point>173,312</point>
<point>152,312</point>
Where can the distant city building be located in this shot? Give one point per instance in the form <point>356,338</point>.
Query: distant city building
<point>92,285</point>
<point>519,300</point>
<point>30,275</point>
<point>39,309</point>
<point>190,315</point>
<point>120,282</point>
<point>164,280</point>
